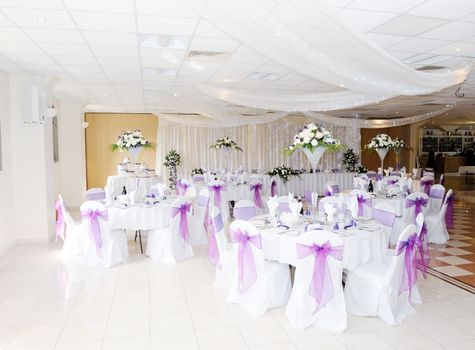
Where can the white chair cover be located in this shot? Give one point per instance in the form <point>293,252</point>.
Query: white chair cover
<point>198,179</point>
<point>283,204</point>
<point>264,284</point>
<point>385,214</point>
<point>72,248</point>
<point>256,193</point>
<point>200,219</point>
<point>332,188</point>
<point>436,197</point>
<point>436,227</point>
<point>218,197</point>
<point>413,202</point>
<point>378,289</point>
<point>303,309</point>
<point>360,203</point>
<point>95,194</point>
<point>158,190</point>
<point>169,245</point>
<point>99,244</point>
<point>244,210</point>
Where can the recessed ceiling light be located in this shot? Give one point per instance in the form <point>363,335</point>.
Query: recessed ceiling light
<point>41,19</point>
<point>458,49</point>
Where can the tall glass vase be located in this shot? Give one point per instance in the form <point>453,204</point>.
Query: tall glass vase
<point>314,157</point>
<point>227,159</point>
<point>172,177</point>
<point>134,153</point>
<point>398,153</point>
<point>382,152</point>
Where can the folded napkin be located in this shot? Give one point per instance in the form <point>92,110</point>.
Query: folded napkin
<point>386,172</point>
<point>379,186</point>
<point>353,206</point>
<point>414,172</point>
<point>273,204</point>
<point>330,210</point>
<point>380,171</point>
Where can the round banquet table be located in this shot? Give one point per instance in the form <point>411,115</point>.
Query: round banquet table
<point>360,245</point>
<point>140,217</point>
<point>140,184</point>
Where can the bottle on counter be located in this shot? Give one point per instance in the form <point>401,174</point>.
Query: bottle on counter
<point>370,186</point>
<point>124,191</point>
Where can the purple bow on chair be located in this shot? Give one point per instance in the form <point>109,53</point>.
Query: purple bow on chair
<point>418,203</point>
<point>256,188</point>
<point>247,274</point>
<point>423,258</point>
<point>93,216</point>
<point>362,201</point>
<point>383,217</point>
<point>216,189</point>
<point>409,274</point>
<point>327,193</point>
<point>321,288</point>
<point>215,226</point>
<point>183,187</point>
<point>59,219</point>
<point>436,193</point>
<point>273,188</point>
<point>177,186</point>
<point>449,214</point>
<point>426,185</point>
<point>392,182</point>
<point>183,209</point>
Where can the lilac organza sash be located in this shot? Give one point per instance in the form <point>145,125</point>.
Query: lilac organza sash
<point>384,217</point>
<point>418,203</point>
<point>335,189</point>
<point>59,219</point>
<point>321,288</point>
<point>423,256</point>
<point>213,250</point>
<point>392,182</point>
<point>256,188</point>
<point>273,188</point>
<point>436,193</point>
<point>95,196</point>
<point>327,193</point>
<point>183,187</point>
<point>177,186</point>
<point>426,185</point>
<point>308,196</point>
<point>93,216</point>
<point>198,178</point>
<point>371,175</point>
<point>244,213</point>
<point>409,273</point>
<point>183,210</point>
<point>284,207</point>
<point>449,214</point>
<point>216,189</point>
<point>362,201</point>
<point>203,201</point>
<point>247,274</point>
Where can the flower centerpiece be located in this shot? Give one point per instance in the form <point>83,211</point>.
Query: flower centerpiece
<point>197,171</point>
<point>284,173</point>
<point>133,142</point>
<point>360,169</point>
<point>172,160</point>
<point>398,145</point>
<point>314,140</point>
<point>381,143</point>
<point>350,160</point>
<point>225,143</point>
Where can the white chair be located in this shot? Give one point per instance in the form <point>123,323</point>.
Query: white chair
<point>171,245</point>
<point>436,197</point>
<point>331,200</point>
<point>305,307</point>
<point>378,289</point>
<point>190,192</point>
<point>95,194</point>
<point>372,174</point>
<point>436,227</point>
<point>218,197</point>
<point>332,188</point>
<point>99,244</point>
<point>71,231</point>
<point>198,179</point>
<point>426,183</point>
<point>417,201</point>
<point>283,204</point>
<point>200,219</point>
<point>245,210</point>
<point>158,190</point>
<point>360,203</point>
<point>391,180</point>
<point>264,284</point>
<point>182,186</point>
<point>385,214</point>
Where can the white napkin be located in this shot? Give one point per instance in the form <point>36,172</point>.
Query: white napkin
<point>380,171</point>
<point>272,204</point>
<point>393,191</point>
<point>295,208</point>
<point>314,196</point>
<point>353,206</point>
<point>386,172</point>
<point>414,172</point>
<point>330,210</point>
<point>379,186</point>
<point>391,169</point>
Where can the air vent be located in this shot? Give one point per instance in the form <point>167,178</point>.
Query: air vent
<point>430,68</point>
<point>186,114</point>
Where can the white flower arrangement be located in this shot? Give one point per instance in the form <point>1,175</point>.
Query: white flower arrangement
<point>225,143</point>
<point>383,141</point>
<point>399,144</point>
<point>284,172</point>
<point>172,159</point>
<point>130,139</point>
<point>311,137</point>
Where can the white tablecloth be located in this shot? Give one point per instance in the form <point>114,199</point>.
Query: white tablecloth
<point>116,182</point>
<point>140,217</point>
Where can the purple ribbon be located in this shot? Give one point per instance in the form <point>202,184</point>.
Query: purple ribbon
<point>436,193</point>
<point>362,200</point>
<point>247,274</point>
<point>256,188</point>
<point>216,189</point>
<point>59,219</point>
<point>418,203</point>
<point>93,216</point>
<point>426,185</point>
<point>183,187</point>
<point>213,251</point>
<point>449,214</point>
<point>177,186</point>
<point>244,213</point>
<point>321,288</point>
<point>384,217</point>
<point>335,189</point>
<point>409,274</point>
<point>273,188</point>
<point>423,257</point>
<point>183,209</point>
<point>203,201</point>
<point>392,182</point>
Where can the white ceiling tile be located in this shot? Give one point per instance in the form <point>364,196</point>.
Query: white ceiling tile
<point>52,19</point>
<point>23,59</point>
<point>339,3</point>
<point>401,54</point>
<point>112,6</point>
<point>12,34</point>
<point>166,25</point>
<point>166,8</point>
<point>213,44</point>
<point>452,31</point>
<point>433,60</point>
<point>20,48</point>
<point>244,67</point>
<point>417,58</point>
<point>452,9</point>
<point>115,51</point>
<point>409,25</point>
<point>4,21</point>
<point>469,18</point>
<point>455,49</point>
<point>419,45</point>
<point>42,4</point>
<point>386,40</point>
<point>43,68</point>
<point>110,38</point>
<point>207,29</point>
<point>365,20</point>
<point>81,69</point>
<point>11,68</point>
<point>109,22</point>
<point>53,36</point>
<point>159,63</point>
<point>76,60</point>
<point>398,6</point>
<point>248,58</point>
<point>118,61</point>
<point>65,49</point>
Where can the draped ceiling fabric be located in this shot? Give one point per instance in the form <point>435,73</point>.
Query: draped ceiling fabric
<point>263,145</point>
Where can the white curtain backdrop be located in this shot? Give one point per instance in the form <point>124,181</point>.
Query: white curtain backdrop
<point>263,145</point>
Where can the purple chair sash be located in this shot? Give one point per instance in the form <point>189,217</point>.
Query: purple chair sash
<point>59,219</point>
<point>418,203</point>
<point>423,257</point>
<point>321,288</point>
<point>247,274</point>
<point>308,196</point>
<point>177,186</point>
<point>244,213</point>
<point>384,217</point>
<point>93,216</point>
<point>198,178</point>
<point>203,201</point>
<point>95,196</point>
<point>327,193</point>
<point>284,207</point>
<point>273,188</point>
<point>183,187</point>
<point>371,175</point>
<point>426,185</point>
<point>362,201</point>
<point>183,209</point>
<point>213,251</point>
<point>449,214</point>
<point>436,193</point>
<point>409,274</point>
<point>256,188</point>
<point>392,182</point>
<point>216,189</point>
<point>335,189</point>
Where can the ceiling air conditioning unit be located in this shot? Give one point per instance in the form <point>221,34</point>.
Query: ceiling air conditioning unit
<point>36,105</point>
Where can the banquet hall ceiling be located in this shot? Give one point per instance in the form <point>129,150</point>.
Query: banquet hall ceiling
<point>153,55</point>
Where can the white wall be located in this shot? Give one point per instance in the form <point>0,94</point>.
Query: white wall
<point>7,233</point>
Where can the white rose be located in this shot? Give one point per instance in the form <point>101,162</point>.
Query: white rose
<point>314,142</point>
<point>319,135</point>
<point>306,139</point>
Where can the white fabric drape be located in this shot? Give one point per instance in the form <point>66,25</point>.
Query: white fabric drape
<point>263,145</point>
